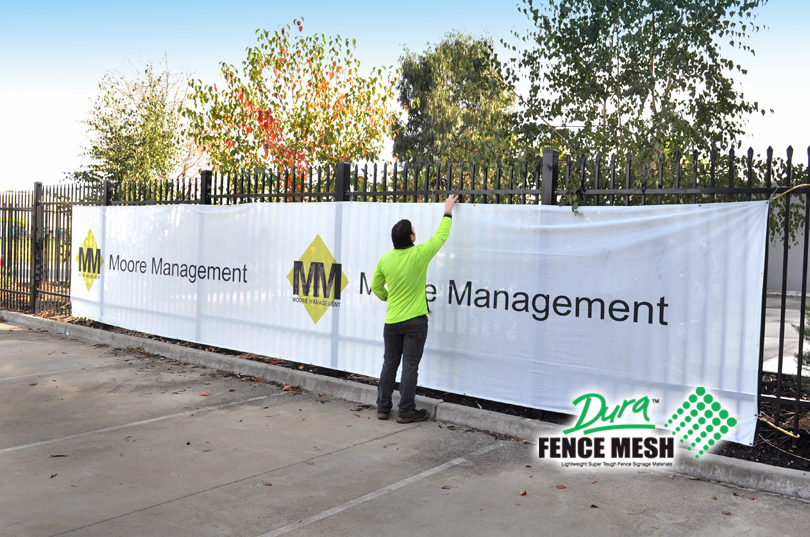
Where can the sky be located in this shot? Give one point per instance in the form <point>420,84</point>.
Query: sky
<point>53,55</point>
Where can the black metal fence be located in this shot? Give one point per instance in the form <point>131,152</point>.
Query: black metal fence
<point>35,226</point>
<point>35,246</point>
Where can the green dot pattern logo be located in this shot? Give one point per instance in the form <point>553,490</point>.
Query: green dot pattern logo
<point>711,423</point>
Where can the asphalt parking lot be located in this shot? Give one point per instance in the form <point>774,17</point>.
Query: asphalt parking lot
<point>98,441</point>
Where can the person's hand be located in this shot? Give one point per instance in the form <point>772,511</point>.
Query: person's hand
<point>448,204</point>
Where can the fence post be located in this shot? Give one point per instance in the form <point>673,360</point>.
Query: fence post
<point>342,177</point>
<point>106,193</point>
<point>37,244</point>
<point>205,187</point>
<point>551,174</point>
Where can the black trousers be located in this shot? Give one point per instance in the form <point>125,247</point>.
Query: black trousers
<point>404,342</point>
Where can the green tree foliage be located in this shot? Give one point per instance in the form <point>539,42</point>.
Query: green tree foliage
<point>457,103</point>
<point>639,76</point>
<point>134,129</point>
<point>299,100</point>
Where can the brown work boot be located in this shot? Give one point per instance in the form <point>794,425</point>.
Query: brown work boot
<point>412,415</point>
<point>383,414</point>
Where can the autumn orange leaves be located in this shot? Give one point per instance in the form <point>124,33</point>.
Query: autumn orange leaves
<point>298,101</point>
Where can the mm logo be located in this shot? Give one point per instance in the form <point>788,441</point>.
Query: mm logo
<point>89,260</point>
<point>317,280</point>
<point>703,418</point>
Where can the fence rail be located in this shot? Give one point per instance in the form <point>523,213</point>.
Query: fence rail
<point>35,227</point>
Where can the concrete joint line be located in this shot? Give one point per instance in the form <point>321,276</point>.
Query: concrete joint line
<point>788,482</point>
<point>379,492</point>
<point>49,373</point>
<point>134,424</point>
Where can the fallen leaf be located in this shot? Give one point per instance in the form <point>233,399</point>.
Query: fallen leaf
<point>273,363</point>
<point>300,367</point>
<point>594,506</point>
<point>751,498</point>
<point>206,450</point>
<point>267,484</point>
<point>726,512</point>
<point>203,394</point>
<point>446,487</point>
<point>671,476</point>
<point>34,384</point>
<point>523,492</point>
<point>359,415</point>
<point>714,497</point>
<point>257,379</point>
<point>593,482</point>
<point>737,494</point>
<point>310,463</point>
<point>320,395</point>
<point>561,486</point>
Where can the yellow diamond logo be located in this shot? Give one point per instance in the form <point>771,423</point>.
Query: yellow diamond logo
<point>89,260</point>
<point>317,280</point>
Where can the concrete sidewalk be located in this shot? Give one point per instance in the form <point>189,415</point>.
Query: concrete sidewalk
<point>98,441</point>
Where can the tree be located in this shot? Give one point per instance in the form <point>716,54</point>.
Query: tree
<point>135,128</point>
<point>298,101</point>
<point>457,102</point>
<point>639,76</point>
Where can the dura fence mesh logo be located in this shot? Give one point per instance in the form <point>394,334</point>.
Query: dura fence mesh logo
<point>704,421</point>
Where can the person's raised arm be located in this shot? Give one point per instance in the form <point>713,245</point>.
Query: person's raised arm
<point>448,204</point>
<point>437,240</point>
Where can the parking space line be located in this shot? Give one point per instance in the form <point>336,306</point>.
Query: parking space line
<point>377,493</point>
<point>56,372</point>
<point>135,424</point>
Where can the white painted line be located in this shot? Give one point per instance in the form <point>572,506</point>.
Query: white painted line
<point>377,493</point>
<point>134,424</point>
<point>56,372</point>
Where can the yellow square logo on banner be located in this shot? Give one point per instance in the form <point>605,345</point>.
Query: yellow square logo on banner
<point>89,260</point>
<point>317,280</point>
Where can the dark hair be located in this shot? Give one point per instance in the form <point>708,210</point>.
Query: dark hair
<point>401,234</point>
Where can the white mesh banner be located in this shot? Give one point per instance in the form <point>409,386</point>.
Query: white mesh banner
<point>530,305</point>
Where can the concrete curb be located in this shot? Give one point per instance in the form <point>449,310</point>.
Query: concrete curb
<point>746,474</point>
<point>737,472</point>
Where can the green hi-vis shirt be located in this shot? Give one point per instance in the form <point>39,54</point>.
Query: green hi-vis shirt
<point>405,272</point>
